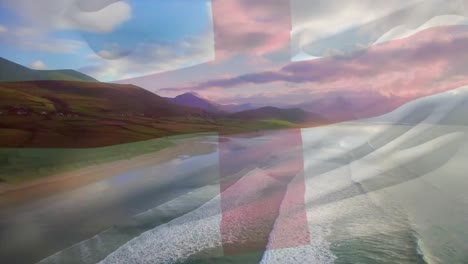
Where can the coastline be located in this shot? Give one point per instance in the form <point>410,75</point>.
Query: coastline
<point>14,194</point>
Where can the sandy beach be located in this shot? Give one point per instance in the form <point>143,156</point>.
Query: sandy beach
<point>13,194</point>
<point>50,214</point>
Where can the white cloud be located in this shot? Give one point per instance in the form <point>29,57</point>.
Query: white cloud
<point>402,31</point>
<point>105,54</point>
<point>110,61</point>
<point>43,17</point>
<point>320,27</point>
<point>150,58</point>
<point>104,20</point>
<point>302,56</point>
<point>315,20</point>
<point>38,65</point>
<point>31,39</point>
<point>86,15</point>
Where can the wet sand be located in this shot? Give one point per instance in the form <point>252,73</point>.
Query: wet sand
<point>13,194</point>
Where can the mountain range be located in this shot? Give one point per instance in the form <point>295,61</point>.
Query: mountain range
<point>65,108</point>
<point>342,106</point>
<point>333,107</point>
<point>248,111</point>
<point>194,100</point>
<point>52,108</point>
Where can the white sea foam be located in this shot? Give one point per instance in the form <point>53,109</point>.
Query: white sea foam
<point>302,245</point>
<point>97,247</point>
<point>195,232</point>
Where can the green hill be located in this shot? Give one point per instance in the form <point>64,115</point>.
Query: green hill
<point>13,72</point>
<point>68,109</point>
<point>76,114</point>
<point>87,114</point>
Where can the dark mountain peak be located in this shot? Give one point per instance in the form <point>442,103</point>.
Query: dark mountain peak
<point>192,99</point>
<point>190,95</point>
<point>268,108</point>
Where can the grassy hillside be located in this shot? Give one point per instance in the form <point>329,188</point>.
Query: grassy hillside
<point>13,72</point>
<point>95,99</point>
<point>67,114</point>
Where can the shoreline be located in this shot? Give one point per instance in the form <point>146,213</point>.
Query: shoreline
<point>14,194</point>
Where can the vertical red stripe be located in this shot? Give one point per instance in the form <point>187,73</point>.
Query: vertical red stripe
<point>257,169</point>
<point>256,172</point>
<point>251,27</point>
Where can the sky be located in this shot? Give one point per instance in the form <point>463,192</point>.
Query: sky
<point>107,39</point>
<point>243,51</point>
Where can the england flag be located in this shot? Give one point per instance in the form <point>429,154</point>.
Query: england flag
<point>380,179</point>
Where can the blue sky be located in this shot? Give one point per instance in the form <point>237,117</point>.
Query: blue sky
<point>129,41</point>
<point>55,34</point>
